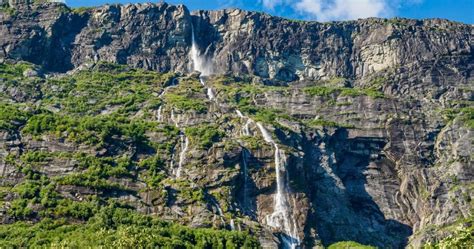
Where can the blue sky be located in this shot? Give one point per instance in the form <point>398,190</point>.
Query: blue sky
<point>329,10</point>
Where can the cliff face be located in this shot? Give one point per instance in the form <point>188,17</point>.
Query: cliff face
<point>373,119</point>
<point>158,37</point>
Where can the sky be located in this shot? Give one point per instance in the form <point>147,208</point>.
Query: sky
<point>329,10</point>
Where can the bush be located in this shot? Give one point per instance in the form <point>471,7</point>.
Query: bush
<point>320,91</point>
<point>204,136</point>
<point>115,226</point>
<point>349,245</point>
<point>11,117</point>
<point>185,103</point>
<point>91,130</point>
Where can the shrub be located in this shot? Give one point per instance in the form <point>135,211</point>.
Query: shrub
<point>349,245</point>
<point>320,91</point>
<point>117,226</point>
<point>11,117</point>
<point>185,103</point>
<point>204,135</point>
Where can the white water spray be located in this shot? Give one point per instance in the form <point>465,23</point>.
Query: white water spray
<point>239,113</point>
<point>182,155</point>
<point>158,115</point>
<point>202,65</point>
<point>246,128</point>
<point>281,218</point>
<point>174,119</point>
<point>232,224</point>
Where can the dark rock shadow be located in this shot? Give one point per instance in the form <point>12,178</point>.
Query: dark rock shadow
<point>52,51</point>
<point>247,198</point>
<point>343,209</point>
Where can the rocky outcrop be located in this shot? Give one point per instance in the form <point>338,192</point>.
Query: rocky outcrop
<point>158,37</point>
<point>369,114</point>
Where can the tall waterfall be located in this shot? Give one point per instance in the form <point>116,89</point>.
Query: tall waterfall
<point>202,65</point>
<point>282,217</point>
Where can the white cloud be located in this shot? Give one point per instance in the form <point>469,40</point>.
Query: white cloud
<point>328,10</point>
<point>341,9</point>
<point>271,4</point>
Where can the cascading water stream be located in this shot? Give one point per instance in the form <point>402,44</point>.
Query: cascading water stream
<point>184,142</point>
<point>281,218</point>
<point>182,154</point>
<point>159,115</point>
<point>201,65</point>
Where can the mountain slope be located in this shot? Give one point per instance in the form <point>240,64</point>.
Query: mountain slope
<point>296,132</point>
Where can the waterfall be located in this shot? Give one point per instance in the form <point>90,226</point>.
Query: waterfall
<point>210,94</point>
<point>184,142</point>
<point>182,155</point>
<point>246,128</point>
<point>239,113</point>
<point>220,212</point>
<point>232,224</point>
<point>281,218</point>
<point>202,65</point>
<point>158,115</point>
<point>173,118</point>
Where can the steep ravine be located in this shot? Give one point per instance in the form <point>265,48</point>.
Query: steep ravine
<point>349,131</point>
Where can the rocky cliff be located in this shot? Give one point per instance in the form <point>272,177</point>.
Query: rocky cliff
<point>297,133</point>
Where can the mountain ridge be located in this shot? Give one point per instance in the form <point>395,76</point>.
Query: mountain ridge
<point>294,133</point>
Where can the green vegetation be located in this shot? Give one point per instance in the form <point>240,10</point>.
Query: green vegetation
<point>188,191</point>
<point>204,135</point>
<point>186,96</point>
<point>117,226</point>
<point>81,10</point>
<point>320,91</point>
<point>154,171</point>
<point>325,91</point>
<point>7,10</point>
<point>11,117</point>
<point>14,71</point>
<point>326,123</point>
<point>105,88</point>
<point>186,103</point>
<point>349,245</point>
<point>465,114</point>
<point>461,236</point>
<point>252,142</point>
<point>91,130</point>
<point>105,114</point>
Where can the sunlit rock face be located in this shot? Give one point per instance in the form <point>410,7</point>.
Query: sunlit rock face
<point>329,131</point>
